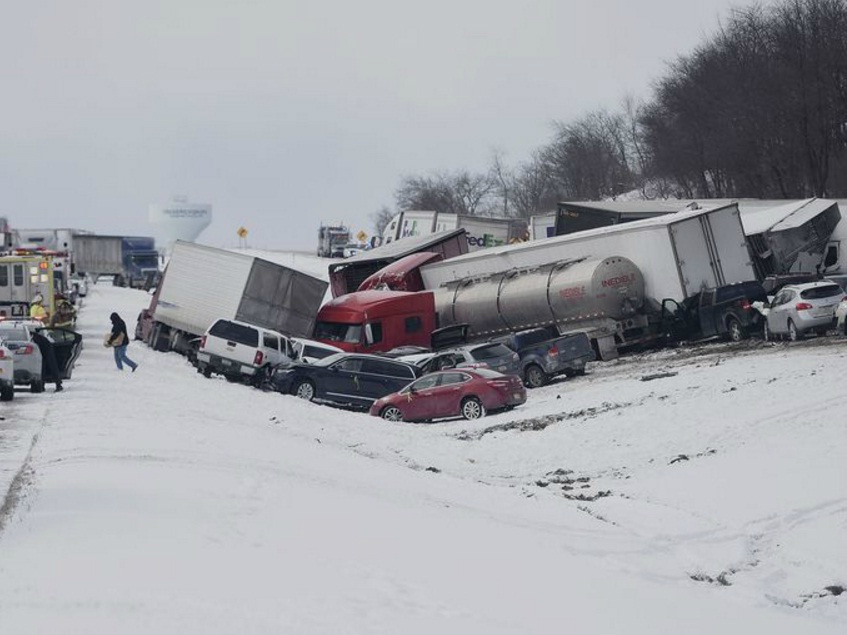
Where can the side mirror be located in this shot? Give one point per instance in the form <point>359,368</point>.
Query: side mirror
<point>369,334</point>
<point>412,390</point>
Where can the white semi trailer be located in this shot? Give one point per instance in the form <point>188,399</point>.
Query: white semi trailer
<point>676,255</point>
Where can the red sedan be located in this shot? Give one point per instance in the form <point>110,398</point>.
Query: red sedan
<point>450,393</point>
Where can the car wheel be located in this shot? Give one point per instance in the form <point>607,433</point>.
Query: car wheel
<point>207,372</point>
<point>305,390</point>
<point>37,386</point>
<point>233,378</point>
<point>534,377</point>
<point>472,408</point>
<point>7,393</point>
<point>734,330</point>
<point>391,413</point>
<point>793,333</point>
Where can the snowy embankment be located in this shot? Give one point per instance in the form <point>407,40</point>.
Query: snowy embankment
<point>710,500</point>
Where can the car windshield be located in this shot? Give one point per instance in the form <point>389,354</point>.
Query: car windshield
<point>824,291</point>
<point>491,351</point>
<point>337,332</point>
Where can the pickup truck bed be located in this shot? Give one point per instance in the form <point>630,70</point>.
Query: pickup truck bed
<point>544,354</point>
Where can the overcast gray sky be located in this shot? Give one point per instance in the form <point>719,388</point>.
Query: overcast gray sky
<point>282,114</point>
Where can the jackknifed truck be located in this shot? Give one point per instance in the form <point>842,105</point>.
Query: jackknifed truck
<point>202,284</point>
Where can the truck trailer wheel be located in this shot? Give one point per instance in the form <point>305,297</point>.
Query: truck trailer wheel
<point>534,376</point>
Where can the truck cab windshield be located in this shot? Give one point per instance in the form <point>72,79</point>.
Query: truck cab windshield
<point>146,261</point>
<point>336,332</point>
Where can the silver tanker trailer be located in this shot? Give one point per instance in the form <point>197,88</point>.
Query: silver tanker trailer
<point>603,297</point>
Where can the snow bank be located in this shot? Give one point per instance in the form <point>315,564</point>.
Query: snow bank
<point>160,501</point>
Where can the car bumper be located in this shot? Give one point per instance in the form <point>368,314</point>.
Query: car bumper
<point>806,322</point>
<point>25,376</point>
<point>224,366</point>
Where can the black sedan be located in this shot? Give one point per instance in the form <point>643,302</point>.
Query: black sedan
<point>345,379</point>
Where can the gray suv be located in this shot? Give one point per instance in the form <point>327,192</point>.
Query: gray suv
<point>493,355</point>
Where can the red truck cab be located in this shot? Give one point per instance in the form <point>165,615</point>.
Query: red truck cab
<point>377,321</point>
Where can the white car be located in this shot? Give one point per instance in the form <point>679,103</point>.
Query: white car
<point>310,351</point>
<point>237,350</point>
<point>841,317</point>
<point>7,374</point>
<point>16,336</point>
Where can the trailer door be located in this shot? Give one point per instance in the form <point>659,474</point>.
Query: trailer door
<point>696,267</point>
<point>729,243</point>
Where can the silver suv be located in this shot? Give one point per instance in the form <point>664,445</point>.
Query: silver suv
<point>800,308</point>
<point>493,355</point>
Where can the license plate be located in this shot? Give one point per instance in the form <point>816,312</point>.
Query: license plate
<point>516,395</point>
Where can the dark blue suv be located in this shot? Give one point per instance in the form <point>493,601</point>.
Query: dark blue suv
<point>345,379</point>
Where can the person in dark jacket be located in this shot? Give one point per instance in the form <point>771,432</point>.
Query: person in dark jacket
<point>119,339</point>
<point>49,365</point>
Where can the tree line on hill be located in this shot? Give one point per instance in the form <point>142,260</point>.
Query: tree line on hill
<point>757,110</point>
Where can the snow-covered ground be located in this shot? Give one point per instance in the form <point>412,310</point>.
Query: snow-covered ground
<point>709,500</point>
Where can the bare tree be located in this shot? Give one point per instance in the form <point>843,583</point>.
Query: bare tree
<point>380,219</point>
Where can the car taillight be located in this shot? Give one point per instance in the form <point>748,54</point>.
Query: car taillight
<point>554,350</point>
<point>26,350</point>
<point>257,361</point>
<point>745,304</point>
<point>2,353</point>
<point>803,306</point>
<point>203,342</point>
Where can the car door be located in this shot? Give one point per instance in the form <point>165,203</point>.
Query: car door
<point>778,314</point>
<point>451,391</point>
<point>341,381</point>
<point>421,398</point>
<point>706,312</point>
<point>67,346</point>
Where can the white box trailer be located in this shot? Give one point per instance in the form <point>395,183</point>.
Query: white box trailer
<point>481,231</point>
<point>202,284</point>
<point>678,254</point>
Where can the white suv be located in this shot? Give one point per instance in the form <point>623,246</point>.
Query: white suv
<point>237,350</point>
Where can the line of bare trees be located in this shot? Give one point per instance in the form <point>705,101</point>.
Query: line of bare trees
<point>757,110</point>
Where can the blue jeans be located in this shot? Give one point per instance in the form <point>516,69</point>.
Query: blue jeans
<point>120,356</point>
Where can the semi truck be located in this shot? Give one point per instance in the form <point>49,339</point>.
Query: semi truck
<point>481,231</point>
<point>203,284</point>
<point>609,282</point>
<point>332,239</point>
<point>347,275</point>
<point>131,260</point>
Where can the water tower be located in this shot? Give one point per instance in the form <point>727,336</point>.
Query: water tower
<point>179,220</point>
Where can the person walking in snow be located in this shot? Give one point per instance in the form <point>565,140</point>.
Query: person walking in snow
<point>119,339</point>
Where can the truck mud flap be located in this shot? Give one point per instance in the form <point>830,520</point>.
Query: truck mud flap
<point>606,347</point>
